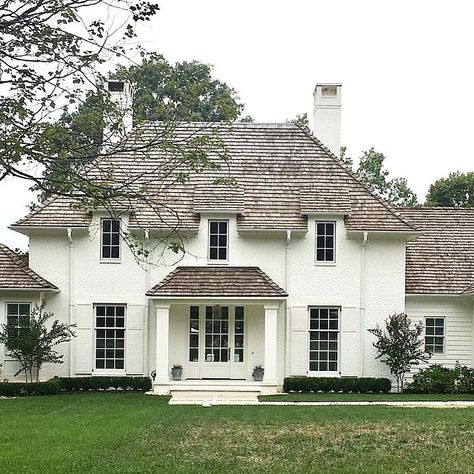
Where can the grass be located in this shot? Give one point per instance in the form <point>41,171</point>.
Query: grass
<point>365,397</point>
<point>131,433</point>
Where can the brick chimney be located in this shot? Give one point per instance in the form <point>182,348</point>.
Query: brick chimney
<point>327,115</point>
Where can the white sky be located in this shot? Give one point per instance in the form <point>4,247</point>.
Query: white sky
<point>406,67</point>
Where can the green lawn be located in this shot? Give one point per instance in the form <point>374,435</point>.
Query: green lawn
<point>134,433</point>
<point>364,397</point>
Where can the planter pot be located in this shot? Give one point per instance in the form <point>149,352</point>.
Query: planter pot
<point>258,375</point>
<point>176,374</point>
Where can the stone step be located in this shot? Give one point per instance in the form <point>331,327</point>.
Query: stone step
<point>213,397</point>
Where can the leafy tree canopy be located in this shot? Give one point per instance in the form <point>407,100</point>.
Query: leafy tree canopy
<point>457,190</point>
<point>372,172</point>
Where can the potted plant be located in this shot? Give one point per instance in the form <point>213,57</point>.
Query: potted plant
<point>177,371</point>
<point>257,373</point>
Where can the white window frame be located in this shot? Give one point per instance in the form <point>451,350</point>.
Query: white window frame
<point>324,262</point>
<point>436,354</point>
<point>105,370</point>
<point>17,303</point>
<point>325,373</point>
<point>110,259</point>
<point>217,260</point>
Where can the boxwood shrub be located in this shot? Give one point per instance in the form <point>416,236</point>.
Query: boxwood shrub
<point>73,384</point>
<point>336,384</point>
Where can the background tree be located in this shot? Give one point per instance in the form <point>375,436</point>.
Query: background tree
<point>300,119</point>
<point>457,190</point>
<point>371,170</point>
<point>400,345</point>
<point>33,343</point>
<point>162,92</point>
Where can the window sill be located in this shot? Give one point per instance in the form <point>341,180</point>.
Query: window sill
<point>324,264</point>
<point>336,374</point>
<point>112,260</point>
<point>108,373</point>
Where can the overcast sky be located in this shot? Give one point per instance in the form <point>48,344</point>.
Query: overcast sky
<point>406,69</point>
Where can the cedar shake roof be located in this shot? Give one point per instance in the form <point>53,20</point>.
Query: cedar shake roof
<point>282,174</point>
<point>218,281</point>
<point>441,259</point>
<point>15,273</point>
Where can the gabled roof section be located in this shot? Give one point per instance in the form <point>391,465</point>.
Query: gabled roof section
<point>16,275</point>
<point>249,282</point>
<point>282,174</point>
<point>441,259</point>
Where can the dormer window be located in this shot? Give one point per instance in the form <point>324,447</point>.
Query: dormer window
<point>110,239</point>
<point>218,241</point>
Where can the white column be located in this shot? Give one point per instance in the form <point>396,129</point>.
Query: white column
<point>162,343</point>
<point>270,360</point>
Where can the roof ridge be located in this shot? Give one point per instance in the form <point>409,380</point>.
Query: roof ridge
<point>305,129</point>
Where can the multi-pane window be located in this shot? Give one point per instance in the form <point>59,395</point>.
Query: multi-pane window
<point>217,334</point>
<point>194,334</point>
<point>323,339</point>
<point>18,316</point>
<point>239,334</point>
<point>110,337</point>
<point>325,242</point>
<point>218,240</point>
<point>110,238</point>
<point>434,335</point>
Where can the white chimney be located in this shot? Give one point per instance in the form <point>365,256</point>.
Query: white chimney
<point>120,93</point>
<point>327,115</point>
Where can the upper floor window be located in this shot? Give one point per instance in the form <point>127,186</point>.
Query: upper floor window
<point>325,241</point>
<point>218,240</point>
<point>110,239</point>
<point>434,335</point>
<point>18,316</point>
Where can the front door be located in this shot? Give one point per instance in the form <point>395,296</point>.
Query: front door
<point>220,348</point>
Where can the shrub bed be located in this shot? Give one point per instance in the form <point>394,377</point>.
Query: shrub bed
<point>439,379</point>
<point>20,389</point>
<point>336,384</point>
<point>73,384</point>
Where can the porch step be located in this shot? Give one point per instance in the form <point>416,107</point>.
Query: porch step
<point>213,396</point>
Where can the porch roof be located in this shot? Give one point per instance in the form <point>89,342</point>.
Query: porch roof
<point>218,281</point>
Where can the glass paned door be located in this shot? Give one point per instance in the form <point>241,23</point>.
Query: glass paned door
<point>217,334</point>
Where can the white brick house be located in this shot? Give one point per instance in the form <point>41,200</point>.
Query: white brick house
<point>287,269</point>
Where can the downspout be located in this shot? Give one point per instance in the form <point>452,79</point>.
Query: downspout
<point>287,312</point>
<point>71,296</point>
<point>147,306</point>
<point>362,300</point>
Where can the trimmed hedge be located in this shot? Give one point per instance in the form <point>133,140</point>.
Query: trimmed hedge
<point>60,385</point>
<point>336,384</point>
<point>21,389</point>
<point>75,384</point>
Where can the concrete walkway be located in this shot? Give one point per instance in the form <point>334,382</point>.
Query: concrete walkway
<point>407,404</point>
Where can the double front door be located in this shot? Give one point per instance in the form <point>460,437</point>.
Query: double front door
<point>217,342</point>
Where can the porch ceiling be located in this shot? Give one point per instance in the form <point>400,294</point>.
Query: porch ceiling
<point>217,282</point>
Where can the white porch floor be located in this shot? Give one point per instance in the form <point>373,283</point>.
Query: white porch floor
<point>214,392</point>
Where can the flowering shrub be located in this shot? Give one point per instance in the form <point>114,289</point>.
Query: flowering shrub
<point>439,379</point>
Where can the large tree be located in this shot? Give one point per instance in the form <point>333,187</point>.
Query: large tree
<point>52,56</point>
<point>165,92</point>
<point>456,190</point>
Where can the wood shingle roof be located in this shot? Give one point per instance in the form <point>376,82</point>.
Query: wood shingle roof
<point>16,275</point>
<point>276,168</point>
<point>218,282</point>
<point>441,259</point>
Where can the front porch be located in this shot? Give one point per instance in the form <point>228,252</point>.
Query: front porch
<point>218,339</point>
